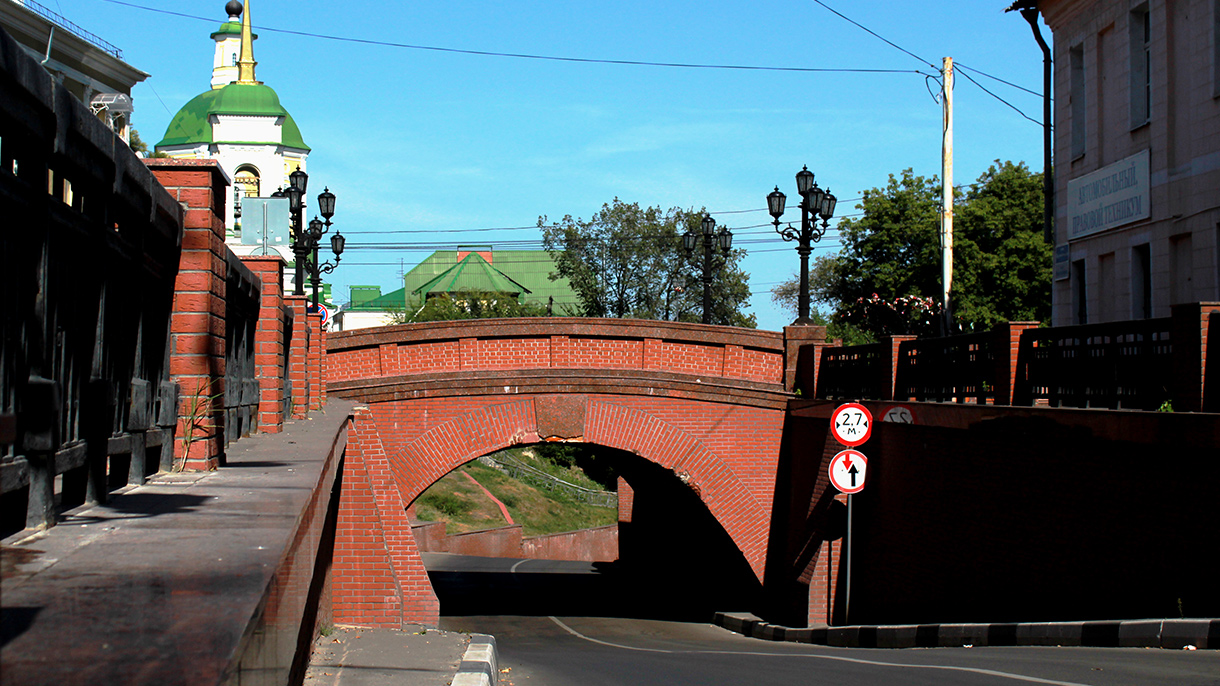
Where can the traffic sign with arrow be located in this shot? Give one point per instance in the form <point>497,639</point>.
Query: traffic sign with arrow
<point>847,471</point>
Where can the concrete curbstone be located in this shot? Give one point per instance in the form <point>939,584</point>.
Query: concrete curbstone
<point>1172,634</point>
<point>480,663</point>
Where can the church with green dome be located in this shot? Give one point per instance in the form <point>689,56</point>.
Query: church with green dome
<point>240,122</point>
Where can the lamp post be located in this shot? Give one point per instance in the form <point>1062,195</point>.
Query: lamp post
<point>313,235</point>
<point>815,203</point>
<point>724,240</point>
<point>295,192</point>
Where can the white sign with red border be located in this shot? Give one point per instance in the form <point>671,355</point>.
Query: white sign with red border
<point>851,424</point>
<point>899,414</point>
<point>847,471</point>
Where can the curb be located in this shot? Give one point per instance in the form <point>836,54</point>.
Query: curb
<point>479,666</point>
<point>1147,633</point>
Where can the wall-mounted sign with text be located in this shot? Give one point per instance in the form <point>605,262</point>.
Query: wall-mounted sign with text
<point>1114,195</point>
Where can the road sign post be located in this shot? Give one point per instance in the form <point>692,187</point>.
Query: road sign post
<point>851,424</point>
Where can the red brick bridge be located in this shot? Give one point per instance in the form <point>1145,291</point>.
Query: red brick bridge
<point>706,403</point>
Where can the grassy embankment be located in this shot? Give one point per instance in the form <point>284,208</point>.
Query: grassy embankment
<point>464,506</point>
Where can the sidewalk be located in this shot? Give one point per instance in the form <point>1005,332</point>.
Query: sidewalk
<point>351,656</point>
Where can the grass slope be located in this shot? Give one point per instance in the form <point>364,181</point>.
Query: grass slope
<point>465,507</point>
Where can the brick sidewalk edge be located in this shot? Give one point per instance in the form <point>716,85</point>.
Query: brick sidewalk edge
<point>479,666</point>
<point>1144,633</point>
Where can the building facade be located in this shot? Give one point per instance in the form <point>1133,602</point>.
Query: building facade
<point>89,67</point>
<point>1137,156</point>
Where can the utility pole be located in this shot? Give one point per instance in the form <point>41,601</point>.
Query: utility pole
<point>946,217</point>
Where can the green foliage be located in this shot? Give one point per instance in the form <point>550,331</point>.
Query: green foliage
<point>890,257</point>
<point>448,504</point>
<point>585,460</point>
<point>628,261</point>
<point>468,305</point>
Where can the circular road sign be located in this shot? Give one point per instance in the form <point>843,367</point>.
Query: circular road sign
<point>847,470</point>
<point>851,424</point>
<point>898,414</point>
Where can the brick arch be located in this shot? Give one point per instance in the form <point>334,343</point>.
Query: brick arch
<point>447,446</point>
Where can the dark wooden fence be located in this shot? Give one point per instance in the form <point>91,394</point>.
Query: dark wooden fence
<point>1139,365</point>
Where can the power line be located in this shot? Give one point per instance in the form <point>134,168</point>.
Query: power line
<point>899,47</point>
<point>527,56</point>
<point>996,78</point>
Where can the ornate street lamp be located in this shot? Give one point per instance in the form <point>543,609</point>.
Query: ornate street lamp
<point>317,229</point>
<point>723,240</point>
<point>815,203</point>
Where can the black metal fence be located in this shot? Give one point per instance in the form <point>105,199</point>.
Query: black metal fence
<point>1116,364</point>
<point>88,257</point>
<point>957,368</point>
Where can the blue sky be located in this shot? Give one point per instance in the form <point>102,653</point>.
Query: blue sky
<point>442,143</point>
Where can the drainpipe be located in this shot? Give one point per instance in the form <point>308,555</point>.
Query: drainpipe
<point>50,39</point>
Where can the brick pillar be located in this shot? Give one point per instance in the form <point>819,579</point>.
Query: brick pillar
<point>269,353</point>
<point>197,326</point>
<point>1189,333</point>
<point>298,356</point>
<point>1006,342</point>
<point>889,374</point>
<point>322,366</point>
<point>802,353</point>
<point>314,369</point>
<point>379,578</point>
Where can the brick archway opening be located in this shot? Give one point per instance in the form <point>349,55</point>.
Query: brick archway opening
<point>675,561</point>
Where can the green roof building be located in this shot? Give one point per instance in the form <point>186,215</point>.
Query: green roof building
<point>524,274</point>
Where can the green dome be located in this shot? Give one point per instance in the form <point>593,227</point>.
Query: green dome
<point>230,28</point>
<point>192,125</point>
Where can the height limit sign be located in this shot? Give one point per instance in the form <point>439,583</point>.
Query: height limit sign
<point>851,424</point>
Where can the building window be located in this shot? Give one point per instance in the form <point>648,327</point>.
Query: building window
<point>1107,307</point>
<point>1216,48</point>
<point>1181,269</point>
<point>1079,293</point>
<point>233,60</point>
<point>1141,282</point>
<point>1076,58</point>
<point>1140,31</point>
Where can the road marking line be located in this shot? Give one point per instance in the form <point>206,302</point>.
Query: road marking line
<point>513,569</point>
<point>837,658</point>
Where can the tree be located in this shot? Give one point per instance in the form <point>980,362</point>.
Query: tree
<point>628,261</point>
<point>138,145</point>
<point>886,277</point>
<point>468,305</point>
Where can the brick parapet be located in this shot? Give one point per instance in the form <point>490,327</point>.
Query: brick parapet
<point>1190,333</point>
<point>297,364</point>
<point>197,324</point>
<point>802,354</point>
<point>316,354</point>
<point>269,355</point>
<point>1006,343</point>
<point>560,343</point>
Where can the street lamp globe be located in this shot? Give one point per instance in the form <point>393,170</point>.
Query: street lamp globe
<point>337,242</point>
<point>775,203</point>
<point>827,209</point>
<point>326,203</point>
<point>299,180</point>
<point>709,225</point>
<point>804,180</point>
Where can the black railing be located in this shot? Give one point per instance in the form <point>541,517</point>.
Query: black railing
<point>88,257</point>
<point>953,369</point>
<point>1124,365</point>
<point>856,372</point>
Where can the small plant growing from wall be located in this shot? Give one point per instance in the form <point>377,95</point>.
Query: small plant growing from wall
<point>196,419</point>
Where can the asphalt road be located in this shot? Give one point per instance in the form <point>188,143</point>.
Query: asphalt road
<point>612,648</point>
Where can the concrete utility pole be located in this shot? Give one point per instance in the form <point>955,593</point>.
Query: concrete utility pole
<point>946,217</point>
